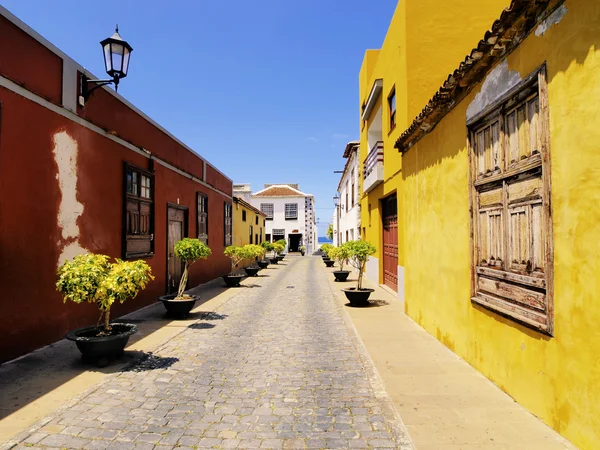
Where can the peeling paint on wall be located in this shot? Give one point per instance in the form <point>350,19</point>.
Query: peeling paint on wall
<point>499,81</point>
<point>65,156</point>
<point>552,19</point>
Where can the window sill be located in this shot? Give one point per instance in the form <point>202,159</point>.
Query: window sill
<point>295,218</point>
<point>129,256</point>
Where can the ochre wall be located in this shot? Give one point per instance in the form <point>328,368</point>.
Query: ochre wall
<point>241,229</point>
<point>556,378</point>
<point>424,43</point>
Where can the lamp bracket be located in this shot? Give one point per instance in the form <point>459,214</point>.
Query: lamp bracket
<point>86,91</point>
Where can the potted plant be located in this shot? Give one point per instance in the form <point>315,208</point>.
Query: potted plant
<point>270,247</point>
<point>277,248</point>
<point>266,247</point>
<point>282,243</point>
<point>189,251</point>
<point>92,278</point>
<point>325,250</point>
<point>253,252</point>
<point>359,252</point>
<point>302,250</point>
<point>341,254</point>
<point>236,254</point>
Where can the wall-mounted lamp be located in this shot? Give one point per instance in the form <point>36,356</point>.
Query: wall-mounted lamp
<point>116,60</point>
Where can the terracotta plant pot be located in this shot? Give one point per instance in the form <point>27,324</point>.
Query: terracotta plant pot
<point>358,297</point>
<point>102,349</point>
<point>178,308</point>
<point>341,275</point>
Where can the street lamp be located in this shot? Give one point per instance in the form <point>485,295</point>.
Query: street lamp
<point>336,202</point>
<point>116,61</point>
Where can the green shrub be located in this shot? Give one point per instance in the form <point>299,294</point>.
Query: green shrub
<point>359,252</point>
<point>92,278</point>
<point>340,254</point>
<point>189,251</point>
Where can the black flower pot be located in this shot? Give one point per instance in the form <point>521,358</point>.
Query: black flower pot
<point>358,297</point>
<point>274,260</point>
<point>302,252</point>
<point>280,257</point>
<point>232,280</point>
<point>178,308</point>
<point>329,262</point>
<point>262,264</point>
<point>251,271</point>
<point>341,275</point>
<point>102,349</point>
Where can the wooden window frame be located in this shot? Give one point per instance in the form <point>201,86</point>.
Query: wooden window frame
<point>244,215</point>
<point>202,212</point>
<point>527,294</point>
<point>128,198</point>
<point>392,112</point>
<point>228,224</point>
<point>251,233</point>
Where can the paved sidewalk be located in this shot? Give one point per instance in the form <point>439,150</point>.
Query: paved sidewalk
<point>444,402</point>
<point>274,366</point>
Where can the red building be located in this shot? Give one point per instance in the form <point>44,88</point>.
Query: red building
<point>103,178</point>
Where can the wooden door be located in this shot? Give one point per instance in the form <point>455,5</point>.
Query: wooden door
<point>176,230</point>
<point>390,241</point>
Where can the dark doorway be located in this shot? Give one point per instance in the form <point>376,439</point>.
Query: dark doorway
<point>176,230</point>
<point>295,241</point>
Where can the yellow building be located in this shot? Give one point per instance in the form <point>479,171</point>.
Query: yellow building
<point>248,223</point>
<point>496,172</point>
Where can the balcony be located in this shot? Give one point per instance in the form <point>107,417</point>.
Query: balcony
<point>373,168</point>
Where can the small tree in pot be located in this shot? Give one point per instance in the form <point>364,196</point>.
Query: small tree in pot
<point>283,244</point>
<point>92,278</point>
<point>302,250</point>
<point>359,252</point>
<point>188,250</point>
<point>270,247</point>
<point>325,249</point>
<point>236,254</point>
<point>341,254</point>
<point>277,249</point>
<point>253,252</point>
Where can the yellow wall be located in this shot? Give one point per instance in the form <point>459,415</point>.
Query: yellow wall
<point>557,378</point>
<point>416,57</point>
<point>241,229</point>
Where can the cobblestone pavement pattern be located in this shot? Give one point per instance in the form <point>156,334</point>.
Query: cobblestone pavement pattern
<point>274,367</point>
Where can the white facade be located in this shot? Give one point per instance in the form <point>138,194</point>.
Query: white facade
<point>290,214</point>
<point>346,217</point>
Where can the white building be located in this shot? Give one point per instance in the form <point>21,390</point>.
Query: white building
<point>346,217</point>
<point>290,213</point>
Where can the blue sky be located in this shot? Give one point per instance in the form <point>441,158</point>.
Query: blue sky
<point>267,91</point>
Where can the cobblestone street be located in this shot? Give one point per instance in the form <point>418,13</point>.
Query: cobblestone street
<point>276,366</point>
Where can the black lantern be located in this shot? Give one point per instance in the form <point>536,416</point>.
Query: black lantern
<point>336,200</point>
<point>116,56</point>
<point>116,60</point>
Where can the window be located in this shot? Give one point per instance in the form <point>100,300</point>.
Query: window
<point>352,178</point>
<point>277,232</point>
<point>392,108</point>
<point>267,237</point>
<point>255,220</point>
<point>261,235</point>
<point>243,215</point>
<point>202,219</point>
<point>138,217</point>
<point>228,224</point>
<point>251,234</point>
<point>347,186</point>
<point>512,224</point>
<point>267,208</point>
<point>346,235</point>
<point>291,211</point>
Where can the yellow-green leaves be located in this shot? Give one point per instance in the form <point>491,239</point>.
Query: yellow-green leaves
<point>190,250</point>
<point>92,278</point>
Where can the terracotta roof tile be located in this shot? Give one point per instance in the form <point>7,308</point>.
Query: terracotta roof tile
<point>279,191</point>
<point>506,33</point>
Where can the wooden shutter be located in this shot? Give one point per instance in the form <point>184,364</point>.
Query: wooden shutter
<point>512,224</point>
<point>202,219</point>
<point>138,212</point>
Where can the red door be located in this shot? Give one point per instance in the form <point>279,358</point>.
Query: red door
<point>390,241</point>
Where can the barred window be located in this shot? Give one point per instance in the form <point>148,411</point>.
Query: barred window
<point>291,211</point>
<point>267,208</point>
<point>278,231</point>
